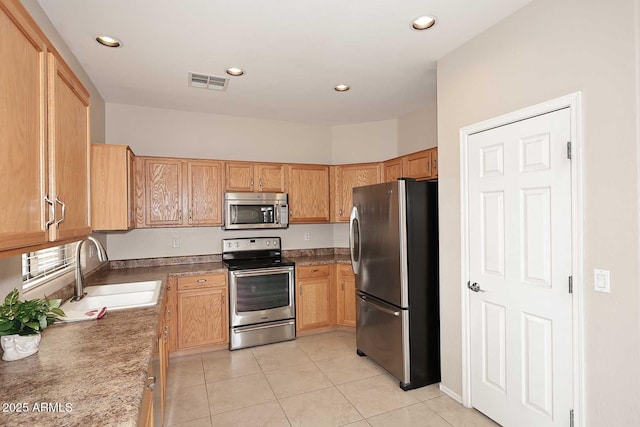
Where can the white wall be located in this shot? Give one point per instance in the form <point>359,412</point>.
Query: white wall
<point>11,268</point>
<point>549,49</point>
<point>418,130</point>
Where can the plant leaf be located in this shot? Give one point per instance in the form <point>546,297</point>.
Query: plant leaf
<point>54,303</point>
<point>33,325</point>
<point>58,312</point>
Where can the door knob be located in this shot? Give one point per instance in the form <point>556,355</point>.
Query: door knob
<point>474,287</point>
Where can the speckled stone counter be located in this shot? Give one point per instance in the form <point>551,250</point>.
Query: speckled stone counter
<point>90,373</point>
<point>304,257</point>
<point>93,373</point>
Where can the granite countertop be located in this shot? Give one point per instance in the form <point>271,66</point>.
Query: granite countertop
<point>320,259</point>
<point>92,372</point>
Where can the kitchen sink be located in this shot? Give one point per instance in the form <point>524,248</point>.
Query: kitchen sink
<point>118,296</point>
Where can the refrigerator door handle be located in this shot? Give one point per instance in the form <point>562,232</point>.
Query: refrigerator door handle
<point>354,240</point>
<point>379,307</point>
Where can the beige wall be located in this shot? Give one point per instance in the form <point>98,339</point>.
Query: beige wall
<point>160,132</point>
<point>549,49</point>
<point>365,142</point>
<point>10,268</point>
<point>419,129</point>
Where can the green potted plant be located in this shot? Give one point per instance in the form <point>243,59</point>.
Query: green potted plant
<point>21,323</point>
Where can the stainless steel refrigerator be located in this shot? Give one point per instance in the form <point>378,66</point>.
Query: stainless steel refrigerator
<point>394,254</point>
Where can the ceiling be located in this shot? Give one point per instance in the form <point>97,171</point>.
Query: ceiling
<point>294,52</point>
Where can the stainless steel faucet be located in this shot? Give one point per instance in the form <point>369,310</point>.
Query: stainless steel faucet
<point>102,257</point>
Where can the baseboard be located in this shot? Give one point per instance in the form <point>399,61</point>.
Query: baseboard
<point>450,393</point>
<point>198,350</point>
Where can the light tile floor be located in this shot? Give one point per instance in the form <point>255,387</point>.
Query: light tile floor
<point>313,381</point>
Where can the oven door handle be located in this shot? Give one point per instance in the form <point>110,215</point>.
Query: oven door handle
<point>257,328</point>
<point>262,271</point>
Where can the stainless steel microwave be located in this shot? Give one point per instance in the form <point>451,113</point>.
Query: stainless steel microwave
<point>244,211</point>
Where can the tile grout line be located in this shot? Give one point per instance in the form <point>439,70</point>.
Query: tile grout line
<point>272,390</point>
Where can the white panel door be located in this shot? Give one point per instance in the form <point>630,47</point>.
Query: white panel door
<point>520,259</point>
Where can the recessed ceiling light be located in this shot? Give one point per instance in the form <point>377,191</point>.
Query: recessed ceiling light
<point>233,71</point>
<point>423,23</point>
<point>342,88</point>
<point>108,41</point>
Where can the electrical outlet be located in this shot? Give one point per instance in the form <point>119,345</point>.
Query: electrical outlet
<point>307,236</point>
<point>175,242</point>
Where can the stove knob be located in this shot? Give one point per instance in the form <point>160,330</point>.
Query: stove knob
<point>267,243</point>
<point>237,245</point>
<point>275,243</point>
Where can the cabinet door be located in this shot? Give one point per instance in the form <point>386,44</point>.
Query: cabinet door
<point>202,317</point>
<point>131,208</point>
<point>349,177</point>
<point>239,176</point>
<point>346,296</point>
<point>434,163</point>
<point>308,193</point>
<point>163,182</point>
<point>111,187</point>
<point>23,106</point>
<point>312,303</point>
<point>270,177</point>
<point>69,152</point>
<point>392,170</point>
<point>204,182</point>
<point>418,165</point>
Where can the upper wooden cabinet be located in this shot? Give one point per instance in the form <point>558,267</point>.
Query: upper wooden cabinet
<point>112,190</point>
<point>170,185</point>
<point>204,192</point>
<point>392,169</point>
<point>163,199</point>
<point>69,152</point>
<point>346,178</point>
<point>308,187</point>
<point>419,165</point>
<point>44,129</point>
<point>260,177</point>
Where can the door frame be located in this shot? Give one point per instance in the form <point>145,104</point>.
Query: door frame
<point>574,102</point>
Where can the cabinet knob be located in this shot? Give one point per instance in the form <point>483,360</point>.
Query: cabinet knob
<point>201,280</point>
<point>342,286</point>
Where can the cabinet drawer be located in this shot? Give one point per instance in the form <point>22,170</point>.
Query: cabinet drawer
<point>202,281</point>
<point>313,271</point>
<point>345,270</point>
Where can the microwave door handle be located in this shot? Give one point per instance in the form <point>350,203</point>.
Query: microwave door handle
<point>234,214</point>
<point>276,214</point>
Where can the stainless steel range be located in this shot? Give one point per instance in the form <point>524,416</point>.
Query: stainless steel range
<point>261,292</point>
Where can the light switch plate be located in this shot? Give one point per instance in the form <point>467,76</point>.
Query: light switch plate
<point>602,280</point>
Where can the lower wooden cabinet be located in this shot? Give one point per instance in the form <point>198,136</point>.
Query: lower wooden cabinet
<point>155,392</point>
<point>201,311</point>
<point>313,297</point>
<point>325,296</point>
<point>346,293</point>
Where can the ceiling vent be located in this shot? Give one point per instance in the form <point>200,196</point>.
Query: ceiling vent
<point>204,81</point>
